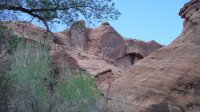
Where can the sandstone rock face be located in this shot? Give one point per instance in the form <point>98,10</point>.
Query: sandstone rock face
<point>105,42</point>
<point>26,30</point>
<point>101,52</point>
<point>168,79</point>
<point>64,64</point>
<point>78,35</point>
<point>106,77</point>
<point>140,47</point>
<point>63,38</point>
<point>135,50</point>
<point>127,60</point>
<point>103,71</point>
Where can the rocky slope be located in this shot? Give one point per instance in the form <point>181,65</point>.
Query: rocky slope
<point>168,80</point>
<point>100,51</point>
<point>105,42</point>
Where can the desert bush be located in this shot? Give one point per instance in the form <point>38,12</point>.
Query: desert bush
<point>5,84</point>
<point>79,93</point>
<point>38,90</point>
<point>27,83</point>
<point>29,70</point>
<point>8,43</point>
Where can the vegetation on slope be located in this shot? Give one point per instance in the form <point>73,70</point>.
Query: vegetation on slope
<point>29,85</point>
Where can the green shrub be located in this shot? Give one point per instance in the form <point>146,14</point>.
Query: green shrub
<point>8,41</point>
<point>29,70</point>
<point>5,84</point>
<point>33,84</point>
<point>80,92</point>
<point>26,80</point>
<point>28,85</point>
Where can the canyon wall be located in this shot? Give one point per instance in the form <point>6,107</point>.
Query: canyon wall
<point>101,51</point>
<point>167,80</point>
<point>105,42</point>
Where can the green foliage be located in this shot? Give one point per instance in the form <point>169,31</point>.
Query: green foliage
<point>5,84</point>
<point>8,41</point>
<point>13,42</point>
<point>33,84</point>
<point>26,80</point>
<point>28,71</point>
<point>80,92</point>
<point>60,11</point>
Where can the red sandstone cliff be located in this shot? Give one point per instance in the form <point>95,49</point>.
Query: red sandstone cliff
<point>104,53</point>
<point>100,51</point>
<point>168,80</point>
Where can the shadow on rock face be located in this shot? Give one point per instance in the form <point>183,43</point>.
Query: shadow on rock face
<point>161,107</point>
<point>106,77</point>
<point>187,87</point>
<point>164,107</point>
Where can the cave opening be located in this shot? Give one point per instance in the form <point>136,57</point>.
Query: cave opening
<point>134,57</point>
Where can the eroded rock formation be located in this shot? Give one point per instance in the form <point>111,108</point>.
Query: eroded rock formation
<point>105,42</point>
<point>168,79</point>
<point>100,51</point>
<point>78,38</point>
